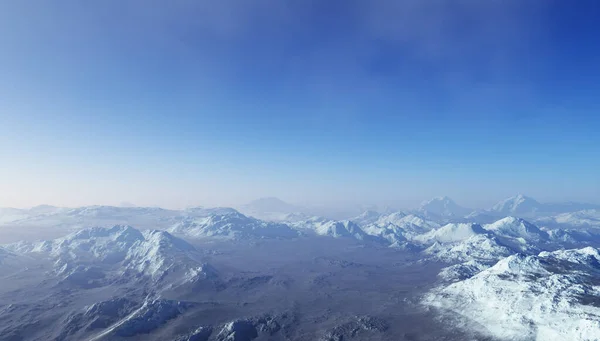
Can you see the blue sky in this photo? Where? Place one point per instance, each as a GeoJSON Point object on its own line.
{"type": "Point", "coordinates": [178, 103]}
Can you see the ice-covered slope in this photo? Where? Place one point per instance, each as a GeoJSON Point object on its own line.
{"type": "Point", "coordinates": [553, 296]}
{"type": "Point", "coordinates": [231, 225]}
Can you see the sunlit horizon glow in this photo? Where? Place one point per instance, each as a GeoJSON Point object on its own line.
{"type": "Point", "coordinates": [217, 103]}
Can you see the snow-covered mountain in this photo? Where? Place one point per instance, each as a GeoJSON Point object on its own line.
{"type": "Point", "coordinates": [367, 217]}
{"type": "Point", "coordinates": [231, 225]}
{"type": "Point", "coordinates": [519, 233]}
{"type": "Point", "coordinates": [274, 209]}
{"type": "Point", "coordinates": [399, 228]}
{"type": "Point", "coordinates": [442, 208]}
{"type": "Point", "coordinates": [519, 205]}
{"type": "Point", "coordinates": [453, 232]}
{"type": "Point", "coordinates": [93, 254]}
{"type": "Point", "coordinates": [481, 248]}
{"type": "Point", "coordinates": [553, 296]}
{"type": "Point", "coordinates": [335, 229]}
{"type": "Point", "coordinates": [580, 219]}
{"type": "Point", "coordinates": [524, 206]}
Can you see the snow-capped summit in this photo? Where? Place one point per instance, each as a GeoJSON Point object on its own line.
{"type": "Point", "coordinates": [442, 207]}
{"type": "Point", "coordinates": [552, 296]}
{"type": "Point", "coordinates": [519, 205]}
{"type": "Point", "coordinates": [454, 232]}
{"type": "Point", "coordinates": [518, 228]}
{"type": "Point", "coordinates": [367, 217]}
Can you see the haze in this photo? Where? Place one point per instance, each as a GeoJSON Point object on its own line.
{"type": "Point", "coordinates": [186, 103]}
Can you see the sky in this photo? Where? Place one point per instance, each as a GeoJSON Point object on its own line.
{"type": "Point", "coordinates": [330, 102]}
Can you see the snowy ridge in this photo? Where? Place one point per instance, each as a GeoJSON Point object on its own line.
{"type": "Point", "coordinates": [585, 218]}
{"type": "Point", "coordinates": [335, 229]}
{"type": "Point", "coordinates": [151, 253]}
{"type": "Point", "coordinates": [481, 248]}
{"type": "Point", "coordinates": [549, 297]}
{"type": "Point", "coordinates": [518, 228]}
{"type": "Point", "coordinates": [454, 232]}
{"type": "Point", "coordinates": [520, 234]}
{"type": "Point", "coordinates": [231, 225]}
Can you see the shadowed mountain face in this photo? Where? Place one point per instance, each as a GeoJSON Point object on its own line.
{"type": "Point", "coordinates": [217, 274]}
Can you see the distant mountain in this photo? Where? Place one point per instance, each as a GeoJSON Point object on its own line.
{"type": "Point", "coordinates": [518, 205]}
{"type": "Point", "coordinates": [8, 215]}
{"type": "Point", "coordinates": [271, 204]}
{"type": "Point", "coordinates": [586, 218]}
{"type": "Point", "coordinates": [273, 209]}
{"type": "Point", "coordinates": [442, 207]}
{"type": "Point", "coordinates": [524, 206]}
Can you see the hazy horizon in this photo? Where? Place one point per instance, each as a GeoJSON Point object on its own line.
{"type": "Point", "coordinates": [317, 205]}
{"type": "Point", "coordinates": [329, 103]}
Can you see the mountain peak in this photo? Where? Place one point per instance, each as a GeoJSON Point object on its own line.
{"type": "Point", "coordinates": [444, 199]}
{"type": "Point", "coordinates": [516, 205]}
{"type": "Point", "coordinates": [442, 206]}
{"type": "Point", "coordinates": [270, 204]}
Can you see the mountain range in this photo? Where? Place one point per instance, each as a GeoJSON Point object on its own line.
{"type": "Point", "coordinates": [507, 276]}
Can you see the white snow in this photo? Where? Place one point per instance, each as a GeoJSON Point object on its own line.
{"type": "Point", "coordinates": [554, 296]}
{"type": "Point", "coordinates": [152, 253]}
{"type": "Point", "coordinates": [231, 225]}
{"type": "Point", "coordinates": [453, 232]}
